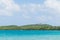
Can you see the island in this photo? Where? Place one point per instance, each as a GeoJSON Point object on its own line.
{"type": "Point", "coordinates": [30, 27]}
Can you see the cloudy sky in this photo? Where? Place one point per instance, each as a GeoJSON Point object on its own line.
{"type": "Point", "coordinates": [22, 12]}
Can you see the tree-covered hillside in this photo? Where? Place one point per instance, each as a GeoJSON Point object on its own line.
{"type": "Point", "coordinates": [30, 27]}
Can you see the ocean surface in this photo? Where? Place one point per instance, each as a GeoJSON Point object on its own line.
{"type": "Point", "coordinates": [29, 35]}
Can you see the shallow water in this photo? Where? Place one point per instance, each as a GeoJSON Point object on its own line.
{"type": "Point", "coordinates": [29, 35]}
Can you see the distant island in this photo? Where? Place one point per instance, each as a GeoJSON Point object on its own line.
{"type": "Point", "coordinates": [30, 27]}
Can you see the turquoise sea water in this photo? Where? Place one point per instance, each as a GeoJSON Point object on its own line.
{"type": "Point", "coordinates": [29, 35]}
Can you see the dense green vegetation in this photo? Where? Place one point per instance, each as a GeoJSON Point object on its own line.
{"type": "Point", "coordinates": [30, 27]}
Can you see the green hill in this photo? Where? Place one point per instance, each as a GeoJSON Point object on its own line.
{"type": "Point", "coordinates": [30, 27]}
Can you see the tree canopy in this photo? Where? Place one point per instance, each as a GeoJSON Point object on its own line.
{"type": "Point", "coordinates": [30, 27]}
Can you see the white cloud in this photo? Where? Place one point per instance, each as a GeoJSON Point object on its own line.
{"type": "Point", "coordinates": [26, 16]}
{"type": "Point", "coordinates": [5, 13]}
{"type": "Point", "coordinates": [7, 7]}
{"type": "Point", "coordinates": [53, 4]}
{"type": "Point", "coordinates": [44, 18]}
{"type": "Point", "coordinates": [32, 8]}
{"type": "Point", "coordinates": [48, 4]}
{"type": "Point", "coordinates": [49, 7]}
{"type": "Point", "coordinates": [41, 18]}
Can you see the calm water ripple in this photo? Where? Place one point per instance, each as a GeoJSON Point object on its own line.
{"type": "Point", "coordinates": [29, 35]}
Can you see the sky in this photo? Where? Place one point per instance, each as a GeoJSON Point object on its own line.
{"type": "Point", "coordinates": [24, 12]}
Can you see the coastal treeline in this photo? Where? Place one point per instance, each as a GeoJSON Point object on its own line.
{"type": "Point", "coordinates": [30, 27]}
